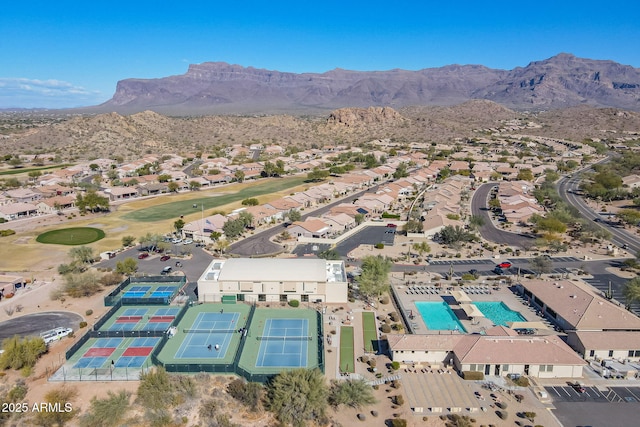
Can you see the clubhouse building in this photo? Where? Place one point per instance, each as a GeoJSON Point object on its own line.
{"type": "Point", "coordinates": [273, 280]}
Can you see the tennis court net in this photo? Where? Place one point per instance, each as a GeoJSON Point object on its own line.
{"type": "Point", "coordinates": [279, 338]}
{"type": "Point", "coordinates": [209, 331]}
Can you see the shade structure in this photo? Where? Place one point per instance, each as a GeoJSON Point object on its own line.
{"type": "Point", "coordinates": [460, 296]}
{"type": "Point", "coordinates": [471, 310]}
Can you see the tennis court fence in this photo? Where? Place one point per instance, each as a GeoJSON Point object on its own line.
{"type": "Point", "coordinates": [285, 338]}
{"type": "Point", "coordinates": [209, 331]}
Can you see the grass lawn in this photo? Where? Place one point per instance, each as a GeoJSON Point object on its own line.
{"type": "Point", "coordinates": [184, 207]}
{"type": "Point", "coordinates": [71, 236]}
{"type": "Point", "coordinates": [369, 332]}
{"type": "Point", "coordinates": [347, 361]}
{"type": "Point", "coordinates": [18, 171]}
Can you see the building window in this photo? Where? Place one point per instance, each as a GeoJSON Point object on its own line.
{"type": "Point", "coordinates": [505, 368]}
{"type": "Point", "coordinates": [262, 297]}
{"type": "Point", "coordinates": [592, 353]}
{"type": "Point", "coordinates": [610, 353]}
{"type": "Point", "coordinates": [283, 298]}
{"type": "Point", "coordinates": [240, 297]}
{"type": "Point", "coordinates": [304, 298]}
{"type": "Point", "coordinates": [634, 353]}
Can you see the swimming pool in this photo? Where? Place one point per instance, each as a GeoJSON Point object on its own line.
{"type": "Point", "coordinates": [439, 316]}
{"type": "Point", "coordinates": [498, 312]}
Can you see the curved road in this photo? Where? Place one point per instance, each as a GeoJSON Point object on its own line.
{"type": "Point", "coordinates": [566, 190]}
{"type": "Point", "coordinates": [259, 244]}
{"type": "Point", "coordinates": [488, 231]}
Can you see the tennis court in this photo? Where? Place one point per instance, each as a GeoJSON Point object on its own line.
{"type": "Point", "coordinates": [115, 352]}
{"type": "Point", "coordinates": [136, 292]}
{"type": "Point", "coordinates": [150, 318]}
{"type": "Point", "coordinates": [164, 291]}
{"type": "Point", "coordinates": [284, 343]}
{"type": "Point", "coordinates": [209, 336]}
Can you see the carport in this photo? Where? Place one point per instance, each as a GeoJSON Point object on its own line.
{"type": "Point", "coordinates": [471, 311]}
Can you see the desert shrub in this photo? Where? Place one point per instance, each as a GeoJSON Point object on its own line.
{"type": "Point", "coordinates": [18, 392]}
{"type": "Point", "coordinates": [78, 285]}
{"type": "Point", "coordinates": [353, 393]}
{"type": "Point", "coordinates": [4, 233]}
{"type": "Point", "coordinates": [394, 316]}
{"type": "Point", "coordinates": [522, 381]}
{"type": "Point", "coordinates": [107, 412]}
{"type": "Point", "coordinates": [83, 324]}
{"type": "Point", "coordinates": [111, 279]}
{"type": "Point", "coordinates": [468, 276]}
{"type": "Point", "coordinates": [250, 394]}
{"type": "Point", "coordinates": [385, 328]}
{"type": "Point", "coordinates": [395, 365]}
{"type": "Point", "coordinates": [399, 400]}
{"type": "Point", "coordinates": [21, 352]}
{"type": "Point", "coordinates": [294, 303]}
{"type": "Point", "coordinates": [379, 246]}
{"type": "Point", "coordinates": [472, 375]}
{"type": "Point", "coordinates": [88, 312]}
{"type": "Point", "coordinates": [61, 398]}
{"type": "Point", "coordinates": [398, 422]}
{"type": "Point", "coordinates": [384, 300]}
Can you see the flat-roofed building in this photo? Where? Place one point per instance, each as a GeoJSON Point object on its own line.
{"type": "Point", "coordinates": [269, 279]}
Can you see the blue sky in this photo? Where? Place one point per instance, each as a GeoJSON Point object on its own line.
{"type": "Point", "coordinates": [72, 53]}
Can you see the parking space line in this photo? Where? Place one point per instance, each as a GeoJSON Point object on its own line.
{"type": "Point", "coordinates": [632, 393]}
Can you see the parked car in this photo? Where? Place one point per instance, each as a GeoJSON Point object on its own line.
{"type": "Point", "coordinates": [55, 334]}
{"type": "Point", "coordinates": [187, 242]}
{"type": "Point", "coordinates": [505, 264]}
{"type": "Point", "coordinates": [165, 258]}
{"type": "Point", "coordinates": [473, 271]}
{"type": "Point", "coordinates": [143, 255]}
{"type": "Point", "coordinates": [176, 241]}
{"type": "Point", "coordinates": [578, 387]}
{"type": "Point", "coordinates": [498, 271]}
{"type": "Point", "coordinates": [168, 269]}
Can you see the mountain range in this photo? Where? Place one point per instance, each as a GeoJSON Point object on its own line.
{"type": "Point", "coordinates": [220, 88]}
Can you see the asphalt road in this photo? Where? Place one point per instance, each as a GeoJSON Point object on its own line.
{"type": "Point", "coordinates": [34, 324]}
{"type": "Point", "coordinates": [259, 244]}
{"type": "Point", "coordinates": [566, 189]}
{"type": "Point", "coordinates": [488, 231]}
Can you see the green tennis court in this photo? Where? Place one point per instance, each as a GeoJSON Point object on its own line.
{"type": "Point", "coordinates": [369, 332]}
{"type": "Point", "coordinates": [347, 363]}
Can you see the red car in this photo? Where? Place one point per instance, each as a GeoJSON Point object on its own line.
{"type": "Point", "coordinates": [505, 264]}
{"type": "Point", "coordinates": [143, 255]}
{"type": "Point", "coordinates": [165, 258]}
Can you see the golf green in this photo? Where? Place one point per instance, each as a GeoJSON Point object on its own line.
{"type": "Point", "coordinates": [71, 236]}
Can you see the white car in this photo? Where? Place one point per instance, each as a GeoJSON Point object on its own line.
{"type": "Point", "coordinates": [187, 242]}
{"type": "Point", "coordinates": [176, 240]}
{"type": "Point", "coordinates": [55, 334]}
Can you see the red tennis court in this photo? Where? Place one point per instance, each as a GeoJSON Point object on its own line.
{"type": "Point", "coordinates": [161, 319]}
{"type": "Point", "coordinates": [137, 351]}
{"type": "Point", "coordinates": [99, 352]}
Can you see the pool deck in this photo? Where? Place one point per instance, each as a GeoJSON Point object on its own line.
{"type": "Point", "coordinates": [499, 292]}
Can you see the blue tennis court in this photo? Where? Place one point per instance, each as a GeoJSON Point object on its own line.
{"type": "Point", "coordinates": [123, 326]}
{"type": "Point", "coordinates": [135, 312]}
{"type": "Point", "coordinates": [136, 292]}
{"type": "Point", "coordinates": [285, 343]}
{"type": "Point", "coordinates": [171, 311]}
{"type": "Point", "coordinates": [107, 342]}
{"type": "Point", "coordinates": [144, 342]}
{"type": "Point", "coordinates": [209, 336]}
{"type": "Point", "coordinates": [164, 291]}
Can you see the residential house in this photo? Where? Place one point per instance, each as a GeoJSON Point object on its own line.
{"type": "Point", "coordinates": [121, 193]}
{"type": "Point", "coordinates": [17, 210]}
{"type": "Point", "coordinates": [55, 204]}
{"type": "Point", "coordinates": [23, 195]}
{"type": "Point", "coordinates": [310, 228]}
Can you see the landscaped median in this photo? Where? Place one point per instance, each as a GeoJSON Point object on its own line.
{"type": "Point", "coordinates": [347, 361]}
{"type": "Point", "coordinates": [369, 332]}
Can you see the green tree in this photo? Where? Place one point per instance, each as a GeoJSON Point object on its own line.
{"type": "Point", "coordinates": [178, 225]}
{"type": "Point", "coordinates": [194, 185]}
{"type": "Point", "coordinates": [252, 201]}
{"type": "Point", "coordinates": [353, 393]}
{"type": "Point", "coordinates": [294, 215]}
{"type": "Point", "coordinates": [401, 171]}
{"type": "Point", "coordinates": [128, 266]}
{"type": "Point", "coordinates": [91, 201]}
{"type": "Point", "coordinates": [297, 396]}
{"type": "Point", "coordinates": [412, 226]}
{"type": "Point", "coordinates": [454, 235]}
{"type": "Point", "coordinates": [525, 175]}
{"type": "Point", "coordinates": [107, 412]}
{"type": "Point", "coordinates": [359, 218]}
{"type": "Point", "coordinates": [317, 175]}
{"type": "Point", "coordinates": [239, 175]}
{"type": "Point", "coordinates": [629, 216]}
{"type": "Point", "coordinates": [173, 187]}
{"type": "Point", "coordinates": [476, 221]}
{"type": "Point", "coordinates": [249, 393]}
{"type": "Point", "coordinates": [330, 254]}
{"type": "Point", "coordinates": [246, 218]}
{"type": "Point", "coordinates": [541, 265]}
{"type": "Point", "coordinates": [215, 235]}
{"type": "Point", "coordinates": [374, 279]}
{"type": "Point", "coordinates": [422, 248]}
{"type": "Point", "coordinates": [33, 175]}
{"type": "Point", "coordinates": [165, 177]}
{"type": "Point", "coordinates": [631, 291]}
{"type": "Point", "coordinates": [82, 254]}
{"type": "Point", "coordinates": [552, 225]}
{"type": "Point", "coordinates": [233, 228]}
{"type": "Point", "coordinates": [494, 204]}
{"type": "Point", "coordinates": [78, 285]}
{"type": "Point", "coordinates": [128, 240]}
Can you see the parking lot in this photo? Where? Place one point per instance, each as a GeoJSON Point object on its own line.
{"type": "Point", "coordinates": [595, 394]}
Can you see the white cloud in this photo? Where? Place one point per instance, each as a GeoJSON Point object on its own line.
{"type": "Point", "coordinates": [34, 93]}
